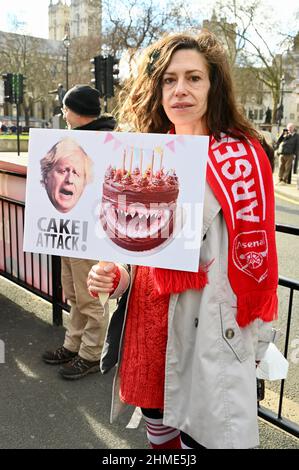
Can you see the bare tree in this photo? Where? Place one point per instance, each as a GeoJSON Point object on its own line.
{"type": "Point", "coordinates": [81, 51]}
{"type": "Point", "coordinates": [133, 24]}
{"type": "Point", "coordinates": [254, 51]}
{"type": "Point", "coordinates": [34, 58]}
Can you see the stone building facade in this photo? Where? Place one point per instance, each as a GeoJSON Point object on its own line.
{"type": "Point", "coordinates": [59, 19]}
{"type": "Point", "coordinates": [290, 67]}
{"type": "Point", "coordinates": [79, 18]}
{"type": "Point", "coordinates": [43, 61]}
{"type": "Point", "coordinates": [254, 97]}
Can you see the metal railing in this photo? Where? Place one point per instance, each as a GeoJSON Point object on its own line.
{"type": "Point", "coordinates": [277, 418]}
{"type": "Point", "coordinates": [40, 274]}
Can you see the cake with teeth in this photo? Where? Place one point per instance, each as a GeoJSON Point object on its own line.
{"type": "Point", "coordinates": [138, 210]}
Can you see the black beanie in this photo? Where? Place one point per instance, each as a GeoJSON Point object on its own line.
{"type": "Point", "coordinates": [83, 100]}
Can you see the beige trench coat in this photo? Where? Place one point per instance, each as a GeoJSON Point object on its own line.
{"type": "Point", "coordinates": [210, 374]}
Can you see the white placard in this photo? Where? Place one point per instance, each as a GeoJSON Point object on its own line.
{"type": "Point", "coordinates": [64, 216]}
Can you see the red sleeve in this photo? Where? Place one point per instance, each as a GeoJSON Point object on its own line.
{"type": "Point", "coordinates": [93, 294]}
{"type": "Point", "coordinates": [116, 279]}
{"type": "Point", "coordinates": [115, 283]}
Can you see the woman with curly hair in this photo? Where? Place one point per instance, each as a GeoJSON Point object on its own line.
{"type": "Point", "coordinates": [190, 341]}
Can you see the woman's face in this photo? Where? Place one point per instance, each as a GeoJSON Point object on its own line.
{"type": "Point", "coordinates": [185, 88]}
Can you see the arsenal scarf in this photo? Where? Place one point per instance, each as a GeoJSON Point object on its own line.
{"type": "Point", "coordinates": [240, 176]}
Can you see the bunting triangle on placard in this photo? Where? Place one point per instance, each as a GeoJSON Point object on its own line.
{"type": "Point", "coordinates": [170, 145]}
{"type": "Point", "coordinates": [108, 137]}
{"type": "Point", "coordinates": [117, 144]}
{"type": "Point", "coordinates": [181, 139]}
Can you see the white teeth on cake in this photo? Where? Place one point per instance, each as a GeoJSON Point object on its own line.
{"type": "Point", "coordinates": [142, 225]}
{"type": "Point", "coordinates": [142, 213]}
{"type": "Point", "coordinates": [132, 211]}
{"type": "Point", "coordinates": [121, 213]}
{"type": "Point", "coordinates": [142, 210]}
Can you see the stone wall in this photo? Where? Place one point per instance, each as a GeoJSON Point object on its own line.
{"type": "Point", "coordinates": [11, 145]}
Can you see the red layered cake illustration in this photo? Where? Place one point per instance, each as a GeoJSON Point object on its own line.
{"type": "Point", "coordinates": [138, 209]}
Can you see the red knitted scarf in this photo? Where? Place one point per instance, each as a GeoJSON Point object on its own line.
{"type": "Point", "coordinates": [240, 176]}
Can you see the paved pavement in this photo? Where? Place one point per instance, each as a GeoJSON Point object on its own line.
{"type": "Point", "coordinates": [289, 192]}
{"type": "Point", "coordinates": [38, 409]}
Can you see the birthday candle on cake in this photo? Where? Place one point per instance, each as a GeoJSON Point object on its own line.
{"type": "Point", "coordinates": [152, 165]}
{"type": "Point", "coordinates": [141, 158]}
{"type": "Point", "coordinates": [161, 158]}
{"type": "Point", "coordinates": [160, 151]}
{"type": "Point", "coordinates": [124, 161]}
{"type": "Point", "coordinates": [131, 160]}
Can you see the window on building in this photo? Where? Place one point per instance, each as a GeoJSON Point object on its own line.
{"type": "Point", "coordinates": [261, 114]}
{"type": "Point", "coordinates": [255, 114]}
{"type": "Point", "coordinates": [259, 99]}
{"type": "Point", "coordinates": [78, 24]}
{"type": "Point", "coordinates": [292, 116]}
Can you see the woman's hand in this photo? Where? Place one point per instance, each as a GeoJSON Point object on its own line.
{"type": "Point", "coordinates": [100, 278]}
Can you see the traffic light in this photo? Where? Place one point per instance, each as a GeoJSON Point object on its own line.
{"type": "Point", "coordinates": [105, 74]}
{"type": "Point", "coordinates": [18, 87]}
{"type": "Point", "coordinates": [8, 91]}
{"type": "Point", "coordinates": [111, 74]}
{"type": "Point", "coordinates": [14, 87]}
{"type": "Point", "coordinates": [22, 87]}
{"type": "Point", "coordinates": [99, 71]}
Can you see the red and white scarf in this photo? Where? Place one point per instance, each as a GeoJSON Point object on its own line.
{"type": "Point", "coordinates": [240, 176]}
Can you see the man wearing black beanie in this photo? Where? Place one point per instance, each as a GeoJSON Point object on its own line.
{"type": "Point", "coordinates": [86, 330]}
{"type": "Point", "coordinates": [82, 109]}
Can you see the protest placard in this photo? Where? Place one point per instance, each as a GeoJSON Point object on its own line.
{"type": "Point", "coordinates": [125, 197]}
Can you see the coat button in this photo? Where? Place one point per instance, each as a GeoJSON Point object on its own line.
{"type": "Point", "coordinates": [196, 322]}
{"type": "Point", "coordinates": [229, 333]}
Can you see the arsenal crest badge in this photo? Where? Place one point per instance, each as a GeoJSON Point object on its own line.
{"type": "Point", "coordinates": [250, 254]}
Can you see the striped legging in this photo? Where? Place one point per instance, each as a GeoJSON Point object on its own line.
{"type": "Point", "coordinates": [165, 437]}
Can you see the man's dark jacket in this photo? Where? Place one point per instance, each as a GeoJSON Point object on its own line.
{"type": "Point", "coordinates": [290, 145]}
{"type": "Point", "coordinates": [109, 356]}
{"type": "Point", "coordinates": [103, 123]}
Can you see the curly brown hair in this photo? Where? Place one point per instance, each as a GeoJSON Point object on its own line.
{"type": "Point", "coordinates": [142, 108]}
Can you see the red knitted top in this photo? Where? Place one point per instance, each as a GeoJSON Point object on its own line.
{"type": "Point", "coordinates": [144, 348]}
